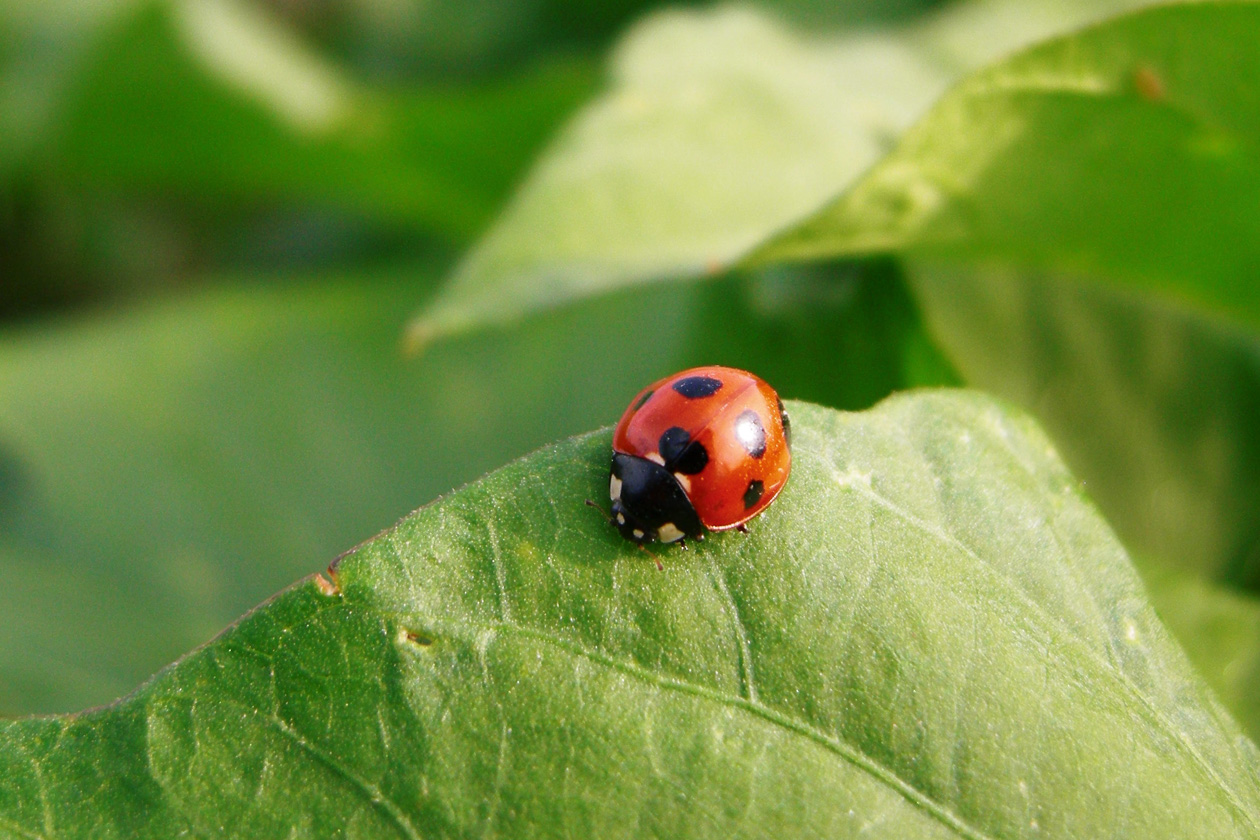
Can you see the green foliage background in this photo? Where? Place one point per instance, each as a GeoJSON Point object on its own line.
{"type": "Point", "coordinates": [223, 222]}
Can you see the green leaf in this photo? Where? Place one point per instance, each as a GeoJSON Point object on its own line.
{"type": "Point", "coordinates": [165, 468]}
{"type": "Point", "coordinates": [41, 45]}
{"type": "Point", "coordinates": [213, 101]}
{"type": "Point", "coordinates": [1220, 631]}
{"type": "Point", "coordinates": [839, 334]}
{"type": "Point", "coordinates": [1156, 408]}
{"type": "Point", "coordinates": [930, 634]}
{"type": "Point", "coordinates": [721, 128]}
{"type": "Point", "coordinates": [1126, 152]}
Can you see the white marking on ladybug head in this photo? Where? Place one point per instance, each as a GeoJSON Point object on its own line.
{"type": "Point", "coordinates": [683, 481]}
{"type": "Point", "coordinates": [614, 488]}
{"type": "Point", "coordinates": [669, 533]}
{"type": "Point", "coordinates": [638, 535]}
{"type": "Point", "coordinates": [621, 519]}
{"type": "Point", "coordinates": [655, 457]}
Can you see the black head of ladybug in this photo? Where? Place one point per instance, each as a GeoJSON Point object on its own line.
{"type": "Point", "coordinates": [648, 503]}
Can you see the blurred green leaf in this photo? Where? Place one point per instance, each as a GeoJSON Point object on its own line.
{"type": "Point", "coordinates": [1126, 152]}
{"type": "Point", "coordinates": [721, 129]}
{"type": "Point", "coordinates": [41, 45]}
{"type": "Point", "coordinates": [842, 334]}
{"type": "Point", "coordinates": [212, 101]}
{"type": "Point", "coordinates": [162, 470]}
{"type": "Point", "coordinates": [1157, 409]}
{"type": "Point", "coordinates": [502, 663]}
{"type": "Point", "coordinates": [1220, 631]}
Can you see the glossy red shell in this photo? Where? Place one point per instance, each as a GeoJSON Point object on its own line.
{"type": "Point", "coordinates": [718, 491]}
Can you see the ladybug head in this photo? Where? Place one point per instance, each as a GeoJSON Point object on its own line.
{"type": "Point", "coordinates": [648, 503]}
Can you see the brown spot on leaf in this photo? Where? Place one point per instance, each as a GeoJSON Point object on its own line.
{"type": "Point", "coordinates": [1149, 84]}
{"type": "Point", "coordinates": [419, 638]}
{"type": "Point", "coordinates": [326, 586]}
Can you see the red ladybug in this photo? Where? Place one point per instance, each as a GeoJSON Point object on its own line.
{"type": "Point", "coordinates": [707, 448]}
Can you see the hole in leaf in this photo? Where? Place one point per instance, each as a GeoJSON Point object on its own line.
{"type": "Point", "coordinates": [419, 637]}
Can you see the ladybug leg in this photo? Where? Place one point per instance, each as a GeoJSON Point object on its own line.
{"type": "Point", "coordinates": [742, 528]}
{"type": "Point", "coordinates": [682, 543]}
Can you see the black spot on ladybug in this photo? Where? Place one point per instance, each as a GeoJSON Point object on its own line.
{"type": "Point", "coordinates": [681, 453]}
{"type": "Point", "coordinates": [643, 400]}
{"type": "Point", "coordinates": [787, 424]}
{"type": "Point", "coordinates": [750, 432]}
{"type": "Point", "coordinates": [753, 494]}
{"type": "Point", "coordinates": [672, 443]}
{"type": "Point", "coordinates": [695, 387]}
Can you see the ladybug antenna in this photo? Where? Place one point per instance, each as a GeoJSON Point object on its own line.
{"type": "Point", "coordinates": [607, 515]}
{"type": "Point", "coordinates": [644, 549]}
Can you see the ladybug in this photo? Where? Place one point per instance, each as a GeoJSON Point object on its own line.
{"type": "Point", "coordinates": [704, 449]}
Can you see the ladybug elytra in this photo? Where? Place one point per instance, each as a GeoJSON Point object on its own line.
{"type": "Point", "coordinates": [704, 449]}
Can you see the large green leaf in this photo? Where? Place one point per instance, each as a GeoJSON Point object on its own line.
{"type": "Point", "coordinates": [721, 128]}
{"type": "Point", "coordinates": [163, 469]}
{"type": "Point", "coordinates": [1105, 135]}
{"type": "Point", "coordinates": [930, 634]}
{"type": "Point", "coordinates": [1158, 412]}
{"type": "Point", "coordinates": [1127, 152]}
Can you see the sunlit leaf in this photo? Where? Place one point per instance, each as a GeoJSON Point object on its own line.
{"type": "Point", "coordinates": [1126, 152]}
{"type": "Point", "coordinates": [930, 634]}
{"type": "Point", "coordinates": [721, 128]}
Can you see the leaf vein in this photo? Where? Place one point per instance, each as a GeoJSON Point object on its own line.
{"type": "Point", "coordinates": [21, 831]}
{"type": "Point", "coordinates": [1120, 677]}
{"type": "Point", "coordinates": [741, 634]}
{"type": "Point", "coordinates": [936, 810]}
{"type": "Point", "coordinates": [366, 789]}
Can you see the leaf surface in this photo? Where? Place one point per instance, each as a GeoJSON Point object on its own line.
{"type": "Point", "coordinates": [1126, 152]}
{"type": "Point", "coordinates": [1156, 408]}
{"type": "Point", "coordinates": [930, 634]}
{"type": "Point", "coordinates": [721, 129]}
{"type": "Point", "coordinates": [165, 468]}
